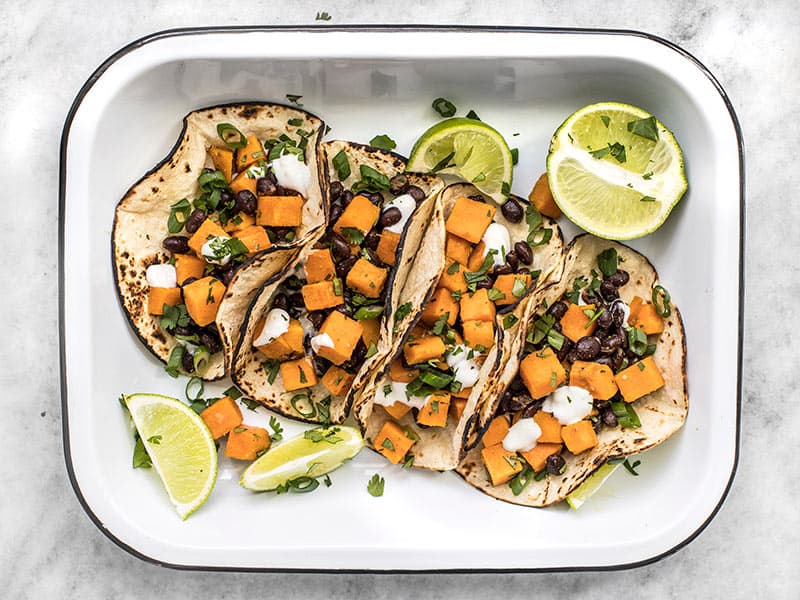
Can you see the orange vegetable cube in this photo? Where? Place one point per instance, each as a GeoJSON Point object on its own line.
{"type": "Point", "coordinates": [254, 237]}
{"type": "Point", "coordinates": [397, 372]}
{"type": "Point", "coordinates": [223, 161]}
{"type": "Point", "coordinates": [478, 333]}
{"type": "Point", "coordinates": [644, 316]}
{"type": "Point", "coordinates": [536, 457]}
{"type": "Point", "coordinates": [434, 412]}
{"type": "Point", "coordinates": [280, 211]}
{"type": "Point", "coordinates": [285, 345]}
{"type": "Point", "coordinates": [639, 379]}
{"type": "Point", "coordinates": [366, 278]}
{"type": "Point", "coordinates": [238, 222]}
{"type": "Point", "coordinates": [202, 299]}
{"type": "Point", "coordinates": [345, 333]}
{"type": "Point", "coordinates": [319, 266]}
{"type": "Point", "coordinates": [542, 198]}
{"type": "Point", "coordinates": [542, 373]}
{"type": "Point", "coordinates": [360, 214]}
{"type": "Point", "coordinates": [452, 277]}
{"type": "Point", "coordinates": [392, 442]}
{"type": "Point", "coordinates": [187, 266]}
{"type": "Point", "coordinates": [387, 247]}
{"type": "Point", "coordinates": [298, 374]}
{"type": "Point", "coordinates": [476, 258]}
{"type": "Point", "coordinates": [579, 436]}
{"type": "Point", "coordinates": [243, 181]}
{"type": "Point", "coordinates": [469, 219]}
{"type": "Point", "coordinates": [550, 426]}
{"type": "Point", "coordinates": [575, 322]}
{"type": "Point", "coordinates": [222, 416]}
{"type": "Point", "coordinates": [397, 410]}
{"type": "Point", "coordinates": [501, 464]}
{"type": "Point", "coordinates": [457, 249]}
{"type": "Point", "coordinates": [206, 230]}
{"type": "Point", "coordinates": [595, 378]}
{"type": "Point", "coordinates": [321, 295]}
{"type": "Point", "coordinates": [506, 284]}
{"type": "Point", "coordinates": [440, 303]}
{"type": "Point", "coordinates": [337, 381]}
{"type": "Point", "coordinates": [477, 307]}
{"type": "Point", "coordinates": [157, 297]}
{"type": "Point", "coordinates": [423, 349]}
{"type": "Point", "coordinates": [496, 432]}
{"type": "Point", "coordinates": [246, 442]}
{"type": "Point", "coordinates": [250, 154]}
{"type": "Point", "coordinates": [458, 405]}
{"type": "Point", "coordinates": [371, 331]}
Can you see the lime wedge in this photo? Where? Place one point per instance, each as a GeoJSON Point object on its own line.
{"type": "Point", "coordinates": [615, 170]}
{"type": "Point", "coordinates": [469, 149]}
{"type": "Point", "coordinates": [303, 456]}
{"type": "Point", "coordinates": [180, 447]}
{"type": "Point", "coordinates": [584, 491]}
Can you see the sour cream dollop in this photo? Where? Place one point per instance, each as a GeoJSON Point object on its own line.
{"type": "Point", "coordinates": [161, 276]}
{"type": "Point", "coordinates": [394, 391]}
{"type": "Point", "coordinates": [275, 325]}
{"type": "Point", "coordinates": [497, 238]}
{"type": "Point", "coordinates": [569, 404]}
{"type": "Point", "coordinates": [522, 435]}
{"type": "Point", "coordinates": [406, 205]}
{"type": "Point", "coordinates": [292, 173]}
{"type": "Point", "coordinates": [465, 369]}
{"type": "Point", "coordinates": [323, 340]}
{"type": "Point", "coordinates": [216, 251]}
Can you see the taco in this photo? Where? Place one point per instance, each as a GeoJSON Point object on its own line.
{"type": "Point", "coordinates": [312, 336]}
{"type": "Point", "coordinates": [599, 375]}
{"type": "Point", "coordinates": [419, 409]}
{"type": "Point", "coordinates": [233, 203]}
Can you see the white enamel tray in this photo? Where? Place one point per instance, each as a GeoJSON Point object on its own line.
{"type": "Point", "coordinates": [363, 82]}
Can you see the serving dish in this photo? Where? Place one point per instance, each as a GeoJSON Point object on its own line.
{"type": "Point", "coordinates": [364, 81]}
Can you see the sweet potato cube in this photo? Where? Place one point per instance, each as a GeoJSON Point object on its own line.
{"type": "Point", "coordinates": [360, 214]}
{"type": "Point", "coordinates": [542, 198]}
{"type": "Point", "coordinates": [238, 222]}
{"type": "Point", "coordinates": [579, 436]}
{"type": "Point", "coordinates": [393, 442]}
{"type": "Point", "coordinates": [157, 297]}
{"type": "Point", "coordinates": [223, 161]}
{"type": "Point", "coordinates": [536, 457]}
{"type": "Point", "coordinates": [337, 381]}
{"type": "Point", "coordinates": [397, 372]}
{"type": "Point", "coordinates": [457, 249]}
{"type": "Point", "coordinates": [298, 374]}
{"type": "Point", "coordinates": [501, 464]}
{"type": "Point", "coordinates": [202, 299]}
{"type": "Point", "coordinates": [575, 322]}
{"type": "Point", "coordinates": [452, 277]}
{"type": "Point", "coordinates": [476, 257]}
{"type": "Point", "coordinates": [222, 416]}
{"type": "Point", "coordinates": [423, 349]}
{"type": "Point", "coordinates": [463, 393]}
{"type": "Point", "coordinates": [595, 378]}
{"type": "Point", "coordinates": [550, 426]}
{"type": "Point", "coordinates": [458, 405]}
{"type": "Point", "coordinates": [497, 430]}
{"type": "Point", "coordinates": [507, 283]}
{"type": "Point", "coordinates": [250, 154]}
{"type": "Point", "coordinates": [542, 373]}
{"type": "Point", "coordinates": [478, 333]}
{"type": "Point", "coordinates": [345, 333]}
{"type": "Point", "coordinates": [387, 247]}
{"type": "Point", "coordinates": [254, 237]}
{"type": "Point", "coordinates": [243, 181]}
{"type": "Point", "coordinates": [187, 266]}
{"type": "Point", "coordinates": [366, 278]}
{"type": "Point", "coordinates": [285, 345]}
{"type": "Point", "coordinates": [434, 412]}
{"type": "Point", "coordinates": [206, 230]}
{"type": "Point", "coordinates": [469, 219]}
{"type": "Point", "coordinates": [639, 379]}
{"type": "Point", "coordinates": [246, 442]}
{"type": "Point", "coordinates": [319, 266]}
{"type": "Point", "coordinates": [371, 331]}
{"type": "Point", "coordinates": [280, 211]}
{"type": "Point", "coordinates": [644, 316]}
{"type": "Point", "coordinates": [477, 307]}
{"type": "Point", "coordinates": [397, 410]}
{"type": "Point", "coordinates": [321, 295]}
{"type": "Point", "coordinates": [440, 303]}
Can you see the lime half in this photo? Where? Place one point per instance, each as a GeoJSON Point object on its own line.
{"type": "Point", "coordinates": [180, 446]}
{"type": "Point", "coordinates": [585, 490]}
{"type": "Point", "coordinates": [303, 456]}
{"type": "Point", "coordinates": [615, 170]}
{"type": "Point", "coordinates": [469, 149]}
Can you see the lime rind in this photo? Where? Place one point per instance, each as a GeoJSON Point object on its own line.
{"type": "Point", "coordinates": [589, 487]}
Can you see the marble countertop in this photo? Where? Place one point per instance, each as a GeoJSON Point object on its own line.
{"type": "Point", "coordinates": [51, 549]}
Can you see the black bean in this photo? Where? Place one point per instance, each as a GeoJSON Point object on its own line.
{"type": "Point", "coordinates": [619, 278]}
{"type": "Point", "coordinates": [608, 291]}
{"type": "Point", "coordinates": [512, 211]}
{"type": "Point", "coordinates": [557, 310]}
{"type": "Point", "coordinates": [281, 233]}
{"type": "Point", "coordinates": [195, 220]}
{"type": "Point", "coordinates": [398, 184]}
{"type": "Point", "coordinates": [339, 246]}
{"type": "Point", "coordinates": [524, 271]}
{"type": "Point", "coordinates": [503, 270]}
{"type": "Point", "coordinates": [605, 360]}
{"type": "Point", "coordinates": [390, 216]}
{"type": "Point", "coordinates": [321, 365]}
{"type": "Point", "coordinates": [346, 197]}
{"type": "Point", "coordinates": [571, 356]}
{"type": "Point", "coordinates": [344, 309]}
{"type": "Point", "coordinates": [343, 267]}
{"type": "Point", "coordinates": [516, 385]}
{"type": "Point", "coordinates": [296, 300]}
{"type": "Point", "coordinates": [280, 301]}
{"type": "Point", "coordinates": [512, 260]}
{"type": "Point", "coordinates": [554, 464]}
{"type": "Point", "coordinates": [188, 280]}
{"type": "Point", "coordinates": [611, 343]}
{"type": "Point", "coordinates": [246, 202]}
{"type": "Point", "coordinates": [177, 244]}
{"type": "Point", "coordinates": [416, 193]}
{"type": "Point", "coordinates": [600, 334]}
{"type": "Point", "coordinates": [605, 320]}
{"type": "Point", "coordinates": [265, 187]}
{"type": "Point", "coordinates": [185, 331]}
{"type": "Point", "coordinates": [226, 199]}
{"type": "Point", "coordinates": [523, 251]}
{"type": "Point", "coordinates": [335, 190]}
{"type": "Point", "coordinates": [617, 359]}
{"type": "Point", "coordinates": [356, 358]}
{"type": "Point", "coordinates": [187, 362]}
{"type": "Point", "coordinates": [558, 327]}
{"type": "Point", "coordinates": [372, 256]}
{"type": "Point", "coordinates": [587, 348]}
{"type": "Point", "coordinates": [210, 341]}
{"type": "Point", "coordinates": [532, 408]}
{"type": "Point", "coordinates": [317, 318]}
{"type": "Point", "coordinates": [566, 347]}
{"type": "Point", "coordinates": [484, 283]}
{"type": "Point", "coordinates": [271, 176]}
{"type": "Point", "coordinates": [602, 405]}
{"type": "Point", "coordinates": [609, 418]}
{"type": "Point", "coordinates": [371, 240]}
{"type": "Point", "coordinates": [617, 315]}
{"type": "Point", "coordinates": [589, 297]}
{"type": "Point", "coordinates": [336, 212]}
{"type": "Point", "coordinates": [512, 402]}
{"type": "Point", "coordinates": [226, 275]}
{"type": "Point", "coordinates": [376, 198]}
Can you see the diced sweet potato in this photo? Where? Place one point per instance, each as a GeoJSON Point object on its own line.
{"type": "Point", "coordinates": [501, 464]}
{"type": "Point", "coordinates": [497, 430]}
{"type": "Point", "coordinates": [360, 214]}
{"type": "Point", "coordinates": [371, 331]}
{"type": "Point", "coordinates": [478, 333]}
{"type": "Point", "coordinates": [187, 266]}
{"type": "Point", "coordinates": [286, 345]}
{"type": "Point", "coordinates": [243, 181]}
{"type": "Point", "coordinates": [434, 412]}
{"type": "Point", "coordinates": [202, 298]}
{"type": "Point", "coordinates": [223, 161]}
{"type": "Point", "coordinates": [280, 211]}
{"type": "Point", "coordinates": [452, 277]}
{"type": "Point", "coordinates": [250, 154]}
{"type": "Point", "coordinates": [337, 381]}
{"type": "Point", "coordinates": [477, 307]}
{"type": "Point", "coordinates": [345, 333]}
{"type": "Point", "coordinates": [507, 283]}
{"type": "Point", "coordinates": [644, 316]}
{"type": "Point", "coordinates": [319, 266]}
{"type": "Point", "coordinates": [457, 405]}
{"type": "Point", "coordinates": [463, 393]}
{"type": "Point", "coordinates": [397, 410]}
{"type": "Point", "coordinates": [542, 198]}
{"type": "Point", "coordinates": [206, 230]}
{"type": "Point", "coordinates": [321, 295]}
{"type": "Point", "coordinates": [254, 237]}
{"type": "Point", "coordinates": [639, 379]}
{"type": "Point", "coordinates": [246, 442]}
{"type": "Point", "coordinates": [457, 249]}
{"type": "Point", "coordinates": [366, 279]}
{"type": "Point", "coordinates": [393, 442]}
{"type": "Point", "coordinates": [469, 219]}
{"type": "Point", "coordinates": [542, 373]}
{"type": "Point", "coordinates": [387, 247]}
{"type": "Point", "coordinates": [550, 426]}
{"type": "Point", "coordinates": [298, 374]}
{"type": "Point", "coordinates": [579, 436]}
{"type": "Point", "coordinates": [440, 303]}
{"type": "Point", "coordinates": [222, 416]}
{"type": "Point", "coordinates": [238, 222]}
{"type": "Point", "coordinates": [476, 257]}
{"type": "Point", "coordinates": [422, 349]}
{"type": "Point", "coordinates": [536, 457]}
{"type": "Point", "coordinates": [397, 372]}
{"type": "Point", "coordinates": [595, 378]}
{"type": "Point", "coordinates": [157, 297]}
{"type": "Point", "coordinates": [575, 322]}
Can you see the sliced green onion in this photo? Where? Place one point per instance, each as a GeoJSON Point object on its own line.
{"type": "Point", "coordinates": [201, 360]}
{"type": "Point", "coordinates": [368, 312]}
{"type": "Point", "coordinates": [231, 136]}
{"type": "Point", "coordinates": [295, 401]}
{"type": "Point", "coordinates": [663, 310]}
{"type": "Point", "coordinates": [194, 382]}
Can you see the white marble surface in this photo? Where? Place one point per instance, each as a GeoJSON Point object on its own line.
{"type": "Point", "coordinates": [51, 549]}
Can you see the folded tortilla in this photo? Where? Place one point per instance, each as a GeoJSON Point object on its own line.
{"type": "Point", "coordinates": [661, 413]}
{"type": "Point", "coordinates": [140, 223]}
